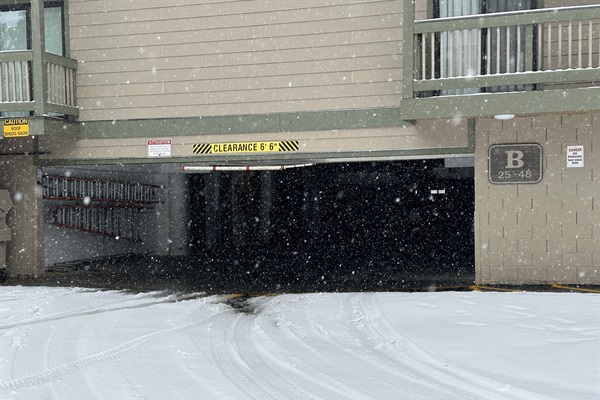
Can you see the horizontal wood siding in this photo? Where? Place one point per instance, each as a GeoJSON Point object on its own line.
{"type": "Point", "coordinates": [151, 59]}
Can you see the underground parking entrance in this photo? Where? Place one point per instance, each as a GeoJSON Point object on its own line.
{"type": "Point", "coordinates": [325, 227]}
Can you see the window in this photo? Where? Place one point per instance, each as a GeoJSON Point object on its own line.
{"type": "Point", "coordinates": [54, 28]}
{"type": "Point", "coordinates": [15, 35]}
{"type": "Point", "coordinates": [470, 62]}
{"type": "Point", "coordinates": [15, 28]}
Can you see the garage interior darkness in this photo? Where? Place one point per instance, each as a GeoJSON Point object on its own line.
{"type": "Point", "coordinates": [339, 226]}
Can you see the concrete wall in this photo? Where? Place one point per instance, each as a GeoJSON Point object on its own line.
{"type": "Point", "coordinates": [149, 59]}
{"type": "Point", "coordinates": [544, 232]}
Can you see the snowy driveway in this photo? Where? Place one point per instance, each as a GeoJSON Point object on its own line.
{"type": "Point", "coordinates": [64, 343]}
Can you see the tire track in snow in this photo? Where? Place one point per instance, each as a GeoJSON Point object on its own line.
{"type": "Point", "coordinates": [324, 385]}
{"type": "Point", "coordinates": [126, 349]}
{"type": "Point", "coordinates": [238, 359]}
{"type": "Point", "coordinates": [303, 384]}
{"type": "Point", "coordinates": [400, 351]}
{"type": "Point", "coordinates": [353, 355]}
{"type": "Point", "coordinates": [98, 310]}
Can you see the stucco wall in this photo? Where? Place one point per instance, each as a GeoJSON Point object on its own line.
{"type": "Point", "coordinates": [544, 232]}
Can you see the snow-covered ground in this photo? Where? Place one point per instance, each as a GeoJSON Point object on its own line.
{"type": "Point", "coordinates": [64, 343]}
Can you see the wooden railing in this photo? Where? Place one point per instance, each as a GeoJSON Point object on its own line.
{"type": "Point", "coordinates": [21, 81]}
{"type": "Point", "coordinates": [509, 51]}
{"type": "Point", "coordinates": [15, 79]}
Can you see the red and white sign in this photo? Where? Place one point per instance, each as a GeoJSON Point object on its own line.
{"type": "Point", "coordinates": [574, 156]}
{"type": "Point", "coordinates": [159, 147]}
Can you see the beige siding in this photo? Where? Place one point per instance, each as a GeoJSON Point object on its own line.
{"type": "Point", "coordinates": [544, 232]}
{"type": "Point", "coordinates": [197, 58]}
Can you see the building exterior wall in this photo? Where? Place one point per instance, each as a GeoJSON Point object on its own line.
{"type": "Point", "coordinates": [179, 59]}
{"type": "Point", "coordinates": [544, 232]}
{"type": "Point", "coordinates": [327, 73]}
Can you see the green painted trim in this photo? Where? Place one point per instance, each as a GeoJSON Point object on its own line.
{"type": "Point", "coordinates": [39, 74]}
{"type": "Point", "coordinates": [510, 18]}
{"type": "Point", "coordinates": [517, 78]}
{"type": "Point", "coordinates": [60, 60]}
{"type": "Point", "coordinates": [489, 104]}
{"type": "Point", "coordinates": [61, 128]}
{"type": "Point", "coordinates": [40, 126]}
{"type": "Point", "coordinates": [66, 30]}
{"type": "Point", "coordinates": [409, 57]}
{"type": "Point", "coordinates": [60, 109]}
{"type": "Point", "coordinates": [430, 5]}
{"type": "Point", "coordinates": [17, 106]}
{"type": "Point", "coordinates": [237, 124]}
{"type": "Point", "coordinates": [277, 159]}
{"type": "Point", "coordinates": [13, 2]}
{"type": "Point", "coordinates": [21, 55]}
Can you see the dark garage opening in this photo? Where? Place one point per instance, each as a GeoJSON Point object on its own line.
{"type": "Point", "coordinates": [354, 226]}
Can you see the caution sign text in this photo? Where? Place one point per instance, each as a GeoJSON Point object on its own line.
{"type": "Point", "coordinates": [246, 147]}
{"type": "Point", "coordinates": [16, 127]}
{"type": "Point", "coordinates": [159, 147]}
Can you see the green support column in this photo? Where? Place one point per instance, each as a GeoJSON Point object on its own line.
{"type": "Point", "coordinates": [40, 78]}
{"type": "Point", "coordinates": [408, 50]}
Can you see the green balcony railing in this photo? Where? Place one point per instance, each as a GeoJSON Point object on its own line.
{"type": "Point", "coordinates": [458, 64]}
{"type": "Point", "coordinates": [40, 88]}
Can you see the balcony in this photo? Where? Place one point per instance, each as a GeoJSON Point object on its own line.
{"type": "Point", "coordinates": [44, 87]}
{"type": "Point", "coordinates": [520, 62]}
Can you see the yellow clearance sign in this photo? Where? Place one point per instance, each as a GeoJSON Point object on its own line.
{"type": "Point", "coordinates": [246, 147]}
{"type": "Point", "coordinates": [16, 127]}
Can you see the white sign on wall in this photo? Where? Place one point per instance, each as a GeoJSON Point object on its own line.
{"type": "Point", "coordinates": [159, 147]}
{"type": "Point", "coordinates": [574, 156]}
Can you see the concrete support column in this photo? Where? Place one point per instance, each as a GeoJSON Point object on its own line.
{"type": "Point", "coordinates": [213, 199]}
{"type": "Point", "coordinates": [25, 251]}
{"type": "Point", "coordinates": [266, 203]}
{"type": "Point", "coordinates": [311, 201]}
{"type": "Point", "coordinates": [178, 215]}
{"type": "Point", "coordinates": [238, 229]}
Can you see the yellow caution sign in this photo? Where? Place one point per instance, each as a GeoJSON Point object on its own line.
{"type": "Point", "coordinates": [246, 147]}
{"type": "Point", "coordinates": [16, 127]}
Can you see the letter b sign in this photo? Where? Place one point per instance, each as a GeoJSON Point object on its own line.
{"type": "Point", "coordinates": [515, 163]}
{"type": "Point", "coordinates": [514, 159]}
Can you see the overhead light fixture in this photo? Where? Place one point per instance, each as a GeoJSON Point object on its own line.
{"type": "Point", "coordinates": [504, 117]}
